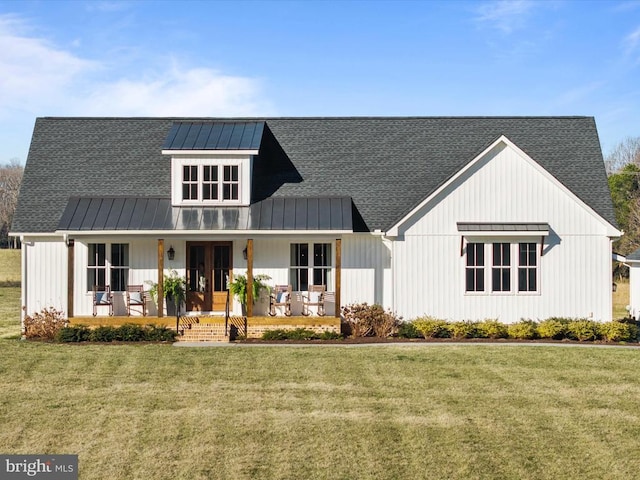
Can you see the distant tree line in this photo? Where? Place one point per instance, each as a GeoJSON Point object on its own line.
{"type": "Point", "coordinates": [10, 180]}
{"type": "Point", "coordinates": [623, 169]}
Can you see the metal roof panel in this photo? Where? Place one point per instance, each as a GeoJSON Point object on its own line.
{"type": "Point", "coordinates": [157, 214]}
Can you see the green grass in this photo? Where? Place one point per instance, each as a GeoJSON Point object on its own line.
{"type": "Point", "coordinates": [621, 299]}
{"type": "Point", "coordinates": [159, 412]}
{"type": "Point", "coordinates": [10, 267]}
{"type": "Point", "coordinates": [9, 293]}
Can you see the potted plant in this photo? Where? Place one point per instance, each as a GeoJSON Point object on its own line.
{"type": "Point", "coordinates": [174, 288]}
{"type": "Point", "coordinates": [238, 287]}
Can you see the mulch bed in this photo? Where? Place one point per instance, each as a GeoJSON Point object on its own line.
{"type": "Point", "coordinates": [391, 340]}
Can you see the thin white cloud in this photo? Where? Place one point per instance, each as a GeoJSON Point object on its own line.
{"type": "Point", "coordinates": [105, 6]}
{"type": "Point", "coordinates": [632, 41]}
{"type": "Point", "coordinates": [578, 94]}
{"type": "Point", "coordinates": [627, 6]}
{"type": "Point", "coordinates": [177, 92]}
{"type": "Point", "coordinates": [39, 78]}
{"type": "Point", "coordinates": [33, 71]}
{"type": "Point", "coordinates": [504, 15]}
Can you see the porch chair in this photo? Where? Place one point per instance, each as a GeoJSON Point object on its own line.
{"type": "Point", "coordinates": [136, 297]}
{"type": "Point", "coordinates": [313, 298]}
{"type": "Point", "coordinates": [102, 297]}
{"type": "Point", "coordinates": [280, 297]}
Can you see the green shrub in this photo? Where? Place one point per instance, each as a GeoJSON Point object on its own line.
{"type": "Point", "coordinates": [73, 333]}
{"type": "Point", "coordinates": [408, 330]}
{"type": "Point", "coordinates": [463, 329]}
{"type": "Point", "coordinates": [301, 334]}
{"type": "Point", "coordinates": [554, 328]}
{"type": "Point", "coordinates": [277, 334]}
{"type": "Point", "coordinates": [125, 333]}
{"type": "Point", "coordinates": [103, 334]}
{"type": "Point", "coordinates": [523, 330]}
{"type": "Point", "coordinates": [130, 332]}
{"type": "Point", "coordinates": [583, 330]}
{"type": "Point", "coordinates": [491, 328]}
{"type": "Point", "coordinates": [364, 320]}
{"type": "Point", "coordinates": [160, 333]}
{"type": "Point", "coordinates": [329, 335]}
{"type": "Point", "coordinates": [44, 324]}
{"type": "Point", "coordinates": [619, 332]}
{"type": "Point", "coordinates": [431, 327]}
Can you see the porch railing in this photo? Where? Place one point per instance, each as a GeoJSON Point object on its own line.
{"type": "Point", "coordinates": [226, 316]}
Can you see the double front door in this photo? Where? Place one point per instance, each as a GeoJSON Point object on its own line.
{"type": "Point", "coordinates": [209, 266]}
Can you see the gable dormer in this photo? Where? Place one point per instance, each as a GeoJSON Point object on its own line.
{"type": "Point", "coordinates": [212, 162]}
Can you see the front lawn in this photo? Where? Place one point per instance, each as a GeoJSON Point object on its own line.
{"type": "Point", "coordinates": [438, 411]}
{"type": "Point", "coordinates": [621, 299]}
{"type": "Point", "coordinates": [9, 293]}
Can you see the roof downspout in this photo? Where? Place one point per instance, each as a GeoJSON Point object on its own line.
{"type": "Point", "coordinates": [390, 244]}
{"type": "Point", "coordinates": [23, 285]}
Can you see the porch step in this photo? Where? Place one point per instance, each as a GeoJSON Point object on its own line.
{"type": "Point", "coordinates": [204, 332]}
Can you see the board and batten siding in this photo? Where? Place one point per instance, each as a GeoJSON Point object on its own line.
{"type": "Point", "coordinates": [575, 270]}
{"type": "Point", "coordinates": [366, 270]}
{"type": "Point", "coordinates": [44, 277]}
{"type": "Point", "coordinates": [634, 289]}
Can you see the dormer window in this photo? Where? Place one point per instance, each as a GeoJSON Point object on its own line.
{"type": "Point", "coordinates": [211, 183]}
{"type": "Point", "coordinates": [211, 163]}
{"type": "Point", "coordinates": [230, 182]}
{"type": "Point", "coordinates": [190, 182]}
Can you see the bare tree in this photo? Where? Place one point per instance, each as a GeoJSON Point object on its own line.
{"type": "Point", "coordinates": [626, 152]}
{"type": "Point", "coordinates": [10, 180]}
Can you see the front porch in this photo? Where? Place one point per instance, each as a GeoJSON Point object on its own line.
{"type": "Point", "coordinates": [206, 267]}
{"type": "Point", "coordinates": [211, 328]}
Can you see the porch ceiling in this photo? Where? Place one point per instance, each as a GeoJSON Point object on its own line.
{"type": "Point", "coordinates": [90, 214]}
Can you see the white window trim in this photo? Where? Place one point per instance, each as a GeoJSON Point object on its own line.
{"type": "Point", "coordinates": [244, 179]}
{"type": "Point", "coordinates": [332, 267]}
{"type": "Point", "coordinates": [514, 243]}
{"type": "Point", "coordinates": [107, 267]}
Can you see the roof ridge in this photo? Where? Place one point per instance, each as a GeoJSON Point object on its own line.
{"type": "Point", "coordinates": [351, 117]}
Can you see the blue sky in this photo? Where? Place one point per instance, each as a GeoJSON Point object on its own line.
{"type": "Point", "coordinates": [346, 58]}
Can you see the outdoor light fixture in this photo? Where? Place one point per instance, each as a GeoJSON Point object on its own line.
{"type": "Point", "coordinates": [245, 255]}
{"type": "Point", "coordinates": [171, 253]}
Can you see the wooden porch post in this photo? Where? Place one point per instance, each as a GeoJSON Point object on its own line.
{"type": "Point", "coordinates": [338, 275]}
{"type": "Point", "coordinates": [161, 277]}
{"type": "Point", "coordinates": [70, 276]}
{"type": "Point", "coordinates": [250, 277]}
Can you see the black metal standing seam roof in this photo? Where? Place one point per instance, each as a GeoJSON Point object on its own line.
{"type": "Point", "coordinates": [388, 166]}
{"type": "Point", "coordinates": [214, 136]}
{"type": "Point", "coordinates": [144, 213]}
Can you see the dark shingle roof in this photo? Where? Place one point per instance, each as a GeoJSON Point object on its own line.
{"type": "Point", "coordinates": [386, 165]}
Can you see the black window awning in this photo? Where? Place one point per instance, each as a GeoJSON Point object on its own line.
{"type": "Point", "coordinates": [517, 228]}
{"type": "Point", "coordinates": [145, 214]}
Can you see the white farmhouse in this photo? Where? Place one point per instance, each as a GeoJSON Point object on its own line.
{"type": "Point", "coordinates": [460, 218]}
